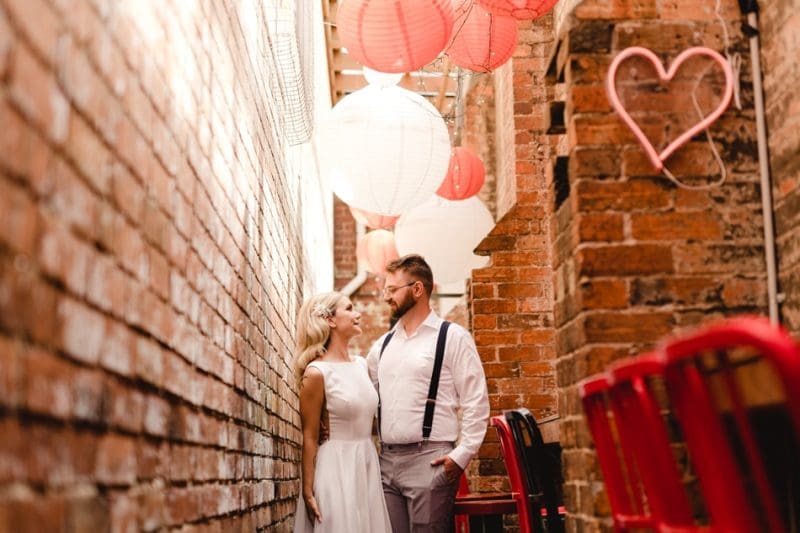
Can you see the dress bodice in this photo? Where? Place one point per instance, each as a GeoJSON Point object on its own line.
{"type": "Point", "coordinates": [350, 397]}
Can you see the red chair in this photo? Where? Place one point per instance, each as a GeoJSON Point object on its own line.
{"type": "Point", "coordinates": [501, 503]}
{"type": "Point", "coordinates": [709, 404]}
{"type": "Point", "coordinates": [622, 487]}
{"type": "Point", "coordinates": [645, 442]}
{"type": "Point", "coordinates": [487, 508]}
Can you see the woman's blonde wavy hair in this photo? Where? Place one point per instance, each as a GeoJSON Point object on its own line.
{"type": "Point", "coordinates": [313, 331]}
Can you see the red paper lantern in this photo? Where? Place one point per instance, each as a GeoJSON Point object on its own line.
{"type": "Point", "coordinates": [376, 249]}
{"type": "Point", "coordinates": [394, 35]}
{"type": "Point", "coordinates": [373, 220]}
{"type": "Point", "coordinates": [519, 9]}
{"type": "Point", "coordinates": [481, 40]}
{"type": "Point", "coordinates": [465, 176]}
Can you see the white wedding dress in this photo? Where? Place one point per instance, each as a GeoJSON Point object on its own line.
{"type": "Point", "coordinates": [347, 478]}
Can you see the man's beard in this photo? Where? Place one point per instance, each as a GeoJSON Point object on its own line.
{"type": "Point", "coordinates": [403, 307]}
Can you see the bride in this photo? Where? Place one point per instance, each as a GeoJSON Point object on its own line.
{"type": "Point", "coordinates": [341, 480]}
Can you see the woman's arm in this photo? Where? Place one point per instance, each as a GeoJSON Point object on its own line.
{"type": "Point", "coordinates": [312, 396]}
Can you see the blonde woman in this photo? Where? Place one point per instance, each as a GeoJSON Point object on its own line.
{"type": "Point", "coordinates": [341, 480]}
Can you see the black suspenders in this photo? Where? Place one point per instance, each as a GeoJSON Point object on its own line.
{"type": "Point", "coordinates": [433, 389]}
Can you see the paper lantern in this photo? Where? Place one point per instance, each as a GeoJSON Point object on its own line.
{"type": "Point", "coordinates": [395, 36]}
{"type": "Point", "coordinates": [519, 9]}
{"type": "Point", "coordinates": [445, 233]}
{"type": "Point", "coordinates": [371, 220]}
{"type": "Point", "coordinates": [376, 249]}
{"type": "Point", "coordinates": [384, 149]}
{"type": "Point", "coordinates": [381, 79]}
{"type": "Point", "coordinates": [465, 175]}
{"type": "Point", "coordinates": [482, 41]}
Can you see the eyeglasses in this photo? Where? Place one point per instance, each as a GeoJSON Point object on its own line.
{"type": "Point", "coordinates": [389, 291]}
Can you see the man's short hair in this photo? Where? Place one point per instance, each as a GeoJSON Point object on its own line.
{"type": "Point", "coordinates": [416, 266]}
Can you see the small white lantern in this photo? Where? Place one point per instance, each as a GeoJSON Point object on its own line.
{"type": "Point", "coordinates": [384, 149]}
{"type": "Point", "coordinates": [445, 233]}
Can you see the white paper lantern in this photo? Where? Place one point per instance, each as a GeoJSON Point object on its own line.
{"type": "Point", "coordinates": [384, 149]}
{"type": "Point", "coordinates": [382, 79]}
{"type": "Point", "coordinates": [445, 233]}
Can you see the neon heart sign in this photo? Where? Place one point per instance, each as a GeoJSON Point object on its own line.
{"type": "Point", "coordinates": [658, 158]}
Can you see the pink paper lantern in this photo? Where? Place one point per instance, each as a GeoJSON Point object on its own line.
{"type": "Point", "coordinates": [373, 220]}
{"type": "Point", "coordinates": [465, 176]}
{"type": "Point", "coordinates": [519, 9]}
{"type": "Point", "coordinates": [482, 41]}
{"type": "Point", "coordinates": [376, 249]}
{"type": "Point", "coordinates": [394, 36]}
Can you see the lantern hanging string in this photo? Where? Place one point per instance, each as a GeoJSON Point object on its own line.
{"type": "Point", "coordinates": [735, 60]}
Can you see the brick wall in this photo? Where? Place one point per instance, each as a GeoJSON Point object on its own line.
{"type": "Point", "coordinates": [780, 25]}
{"type": "Point", "coordinates": [149, 270]}
{"type": "Point", "coordinates": [635, 257]}
{"type": "Point", "coordinates": [511, 298]}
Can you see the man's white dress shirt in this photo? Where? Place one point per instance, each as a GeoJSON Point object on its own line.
{"type": "Point", "coordinates": [404, 375]}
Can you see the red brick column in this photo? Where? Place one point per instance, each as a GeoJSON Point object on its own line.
{"type": "Point", "coordinates": [512, 299]}
{"type": "Point", "coordinates": [635, 257]}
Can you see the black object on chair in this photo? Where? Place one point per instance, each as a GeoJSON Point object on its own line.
{"type": "Point", "coordinates": [542, 466]}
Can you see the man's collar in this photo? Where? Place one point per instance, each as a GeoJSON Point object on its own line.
{"type": "Point", "coordinates": [432, 321]}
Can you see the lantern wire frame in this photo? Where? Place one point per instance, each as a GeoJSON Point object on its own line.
{"type": "Point", "coordinates": [462, 14]}
{"type": "Point", "coordinates": [292, 37]}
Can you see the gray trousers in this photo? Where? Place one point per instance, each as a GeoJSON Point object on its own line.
{"type": "Point", "coordinates": [418, 496]}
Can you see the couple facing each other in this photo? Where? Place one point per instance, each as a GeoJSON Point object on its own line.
{"type": "Point", "coordinates": [346, 487]}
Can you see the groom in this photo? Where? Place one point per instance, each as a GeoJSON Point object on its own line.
{"type": "Point", "coordinates": [425, 370]}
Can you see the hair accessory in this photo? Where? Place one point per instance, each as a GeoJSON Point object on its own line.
{"type": "Point", "coordinates": [321, 311]}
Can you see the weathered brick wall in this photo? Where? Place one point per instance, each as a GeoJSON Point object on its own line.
{"type": "Point", "coordinates": [511, 298]}
{"type": "Point", "coordinates": [635, 257]}
{"type": "Point", "coordinates": [149, 270]}
{"type": "Point", "coordinates": [780, 25]}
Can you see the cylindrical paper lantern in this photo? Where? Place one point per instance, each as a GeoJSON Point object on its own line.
{"type": "Point", "coordinates": [384, 149]}
{"type": "Point", "coordinates": [445, 233]}
{"type": "Point", "coordinates": [376, 249]}
{"type": "Point", "coordinates": [465, 176]}
{"type": "Point", "coordinates": [519, 9]}
{"type": "Point", "coordinates": [481, 41]}
{"type": "Point", "coordinates": [394, 35]}
{"type": "Point", "coordinates": [371, 220]}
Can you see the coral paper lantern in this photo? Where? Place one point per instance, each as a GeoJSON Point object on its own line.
{"type": "Point", "coordinates": [371, 220]}
{"type": "Point", "coordinates": [395, 35]}
{"type": "Point", "coordinates": [519, 9]}
{"type": "Point", "coordinates": [384, 149]}
{"type": "Point", "coordinates": [465, 176]}
{"type": "Point", "coordinates": [376, 249]}
{"type": "Point", "coordinates": [482, 41]}
{"type": "Point", "coordinates": [445, 233]}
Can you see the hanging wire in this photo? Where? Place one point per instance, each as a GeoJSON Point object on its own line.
{"type": "Point", "coordinates": [735, 61]}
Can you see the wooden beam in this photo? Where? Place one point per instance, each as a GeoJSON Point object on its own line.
{"type": "Point", "coordinates": [347, 83]}
{"type": "Point", "coordinates": [326, 21]}
{"type": "Point", "coordinates": [443, 86]}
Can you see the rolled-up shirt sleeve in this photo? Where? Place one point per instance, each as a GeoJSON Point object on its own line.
{"type": "Point", "coordinates": [469, 381]}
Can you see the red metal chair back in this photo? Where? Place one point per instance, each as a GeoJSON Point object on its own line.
{"type": "Point", "coordinates": [621, 478]}
{"type": "Point", "coordinates": [515, 474]}
{"type": "Point", "coordinates": [725, 463]}
{"type": "Point", "coordinates": [644, 439]}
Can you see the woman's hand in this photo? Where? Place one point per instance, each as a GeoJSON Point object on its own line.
{"type": "Point", "coordinates": [311, 508]}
